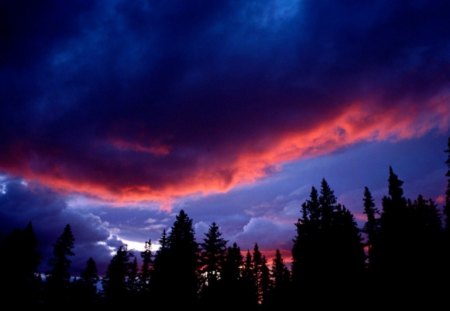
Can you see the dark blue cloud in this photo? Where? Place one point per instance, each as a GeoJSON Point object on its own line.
{"type": "Point", "coordinates": [148, 100]}
{"type": "Point", "coordinates": [21, 203]}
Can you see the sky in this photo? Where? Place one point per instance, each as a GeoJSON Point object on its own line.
{"type": "Point", "coordinates": [114, 115]}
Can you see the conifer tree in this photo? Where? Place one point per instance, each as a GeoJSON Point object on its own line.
{"type": "Point", "coordinates": [58, 282]}
{"type": "Point", "coordinates": [231, 282]}
{"type": "Point", "coordinates": [87, 284]}
{"type": "Point", "coordinates": [371, 225]}
{"type": "Point", "coordinates": [249, 290]}
{"type": "Point", "coordinates": [232, 265]}
{"type": "Point", "coordinates": [280, 273]}
{"type": "Point", "coordinates": [133, 279]}
{"type": "Point", "coordinates": [213, 255]}
{"type": "Point", "coordinates": [19, 266]}
{"type": "Point", "coordinates": [327, 252]}
{"type": "Point", "coordinates": [146, 269]}
{"type": "Point", "coordinates": [279, 295]}
{"type": "Point", "coordinates": [90, 275]}
{"type": "Point", "coordinates": [176, 265]}
{"type": "Point", "coordinates": [115, 281]}
{"type": "Point", "coordinates": [265, 282]}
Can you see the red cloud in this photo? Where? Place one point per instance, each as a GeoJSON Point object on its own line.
{"type": "Point", "coordinates": [155, 177]}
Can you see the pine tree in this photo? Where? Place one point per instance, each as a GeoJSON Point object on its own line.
{"type": "Point", "coordinates": [115, 281]}
{"type": "Point", "coordinates": [257, 265]}
{"type": "Point", "coordinates": [160, 283]}
{"type": "Point", "coordinates": [307, 240]}
{"type": "Point", "coordinates": [90, 275]}
{"type": "Point", "coordinates": [19, 267]}
{"type": "Point", "coordinates": [327, 252]}
{"type": "Point", "coordinates": [395, 228]}
{"type": "Point", "coordinates": [87, 285]}
{"type": "Point", "coordinates": [132, 279]}
{"type": "Point", "coordinates": [249, 290]}
{"type": "Point", "coordinates": [59, 278]}
{"type": "Point", "coordinates": [146, 270]}
{"type": "Point", "coordinates": [279, 296]}
{"type": "Point", "coordinates": [280, 273]}
{"type": "Point", "coordinates": [176, 264]}
{"type": "Point", "coordinates": [265, 282]}
{"type": "Point", "coordinates": [183, 250]}
{"type": "Point", "coordinates": [212, 261]}
{"type": "Point", "coordinates": [232, 266]}
{"type": "Point", "coordinates": [231, 281]}
{"type": "Point", "coordinates": [371, 226]}
{"type": "Point", "coordinates": [327, 201]}
{"type": "Point", "coordinates": [213, 254]}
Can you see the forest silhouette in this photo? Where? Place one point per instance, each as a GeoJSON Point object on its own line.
{"type": "Point", "coordinates": [400, 257]}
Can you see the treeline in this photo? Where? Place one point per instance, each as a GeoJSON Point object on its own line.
{"type": "Point", "coordinates": [400, 256]}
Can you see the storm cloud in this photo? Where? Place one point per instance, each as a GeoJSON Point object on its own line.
{"type": "Point", "coordinates": [155, 101]}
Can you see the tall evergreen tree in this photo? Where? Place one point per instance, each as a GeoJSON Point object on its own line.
{"type": "Point", "coordinates": [231, 281]}
{"type": "Point", "coordinates": [280, 273]}
{"type": "Point", "coordinates": [249, 289]}
{"type": "Point", "coordinates": [19, 266]}
{"type": "Point", "coordinates": [327, 252]}
{"type": "Point", "coordinates": [160, 282]}
{"type": "Point", "coordinates": [306, 242]}
{"type": "Point", "coordinates": [394, 231]}
{"type": "Point", "coordinates": [146, 270]}
{"type": "Point", "coordinates": [281, 283]}
{"type": "Point", "coordinates": [90, 275]}
{"type": "Point", "coordinates": [213, 254]}
{"type": "Point", "coordinates": [58, 281]}
{"type": "Point", "coordinates": [212, 262]}
{"type": "Point", "coordinates": [176, 266]}
{"type": "Point", "coordinates": [371, 226]}
{"type": "Point", "coordinates": [87, 284]}
{"type": "Point", "coordinates": [261, 274]}
{"type": "Point", "coordinates": [404, 243]}
{"type": "Point", "coordinates": [115, 281]}
{"type": "Point", "coordinates": [265, 282]}
{"type": "Point", "coordinates": [133, 283]}
{"type": "Point", "coordinates": [232, 265]}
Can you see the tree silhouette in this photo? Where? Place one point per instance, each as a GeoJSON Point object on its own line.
{"type": "Point", "coordinates": [132, 280]}
{"type": "Point", "coordinates": [249, 290]}
{"type": "Point", "coordinates": [115, 281]}
{"type": "Point", "coordinates": [146, 270]}
{"type": "Point", "coordinates": [279, 295]}
{"type": "Point", "coordinates": [265, 282]}
{"type": "Point", "coordinates": [176, 265]}
{"type": "Point", "coordinates": [58, 281]}
{"type": "Point", "coordinates": [86, 287]}
{"type": "Point", "coordinates": [372, 224]}
{"type": "Point", "coordinates": [261, 275]}
{"type": "Point", "coordinates": [231, 282]}
{"type": "Point", "coordinates": [327, 252]}
{"type": "Point", "coordinates": [19, 263]}
{"type": "Point", "coordinates": [160, 282]}
{"type": "Point", "coordinates": [212, 261]}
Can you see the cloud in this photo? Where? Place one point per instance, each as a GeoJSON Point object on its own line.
{"type": "Point", "coordinates": [21, 203]}
{"type": "Point", "coordinates": [142, 101]}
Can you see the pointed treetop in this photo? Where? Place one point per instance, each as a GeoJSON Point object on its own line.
{"type": "Point", "coordinates": [395, 186]}
{"type": "Point", "coordinates": [327, 197]}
